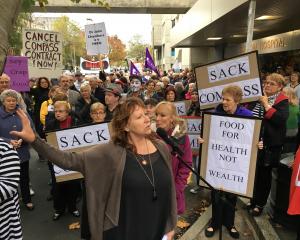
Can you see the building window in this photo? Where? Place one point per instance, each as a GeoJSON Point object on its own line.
{"type": "Point", "coordinates": [172, 52]}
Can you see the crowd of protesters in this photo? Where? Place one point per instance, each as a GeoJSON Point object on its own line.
{"type": "Point", "coordinates": [80, 100]}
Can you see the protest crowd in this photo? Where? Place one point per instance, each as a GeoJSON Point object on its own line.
{"type": "Point", "coordinates": [74, 100]}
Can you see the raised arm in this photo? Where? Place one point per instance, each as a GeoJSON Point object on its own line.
{"type": "Point", "coordinates": [66, 160]}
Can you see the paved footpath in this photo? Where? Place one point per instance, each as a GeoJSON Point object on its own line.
{"type": "Point", "coordinates": [38, 224]}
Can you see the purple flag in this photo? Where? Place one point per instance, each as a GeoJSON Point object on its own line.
{"type": "Point", "coordinates": [16, 68]}
{"type": "Point", "coordinates": [133, 69]}
{"type": "Point", "coordinates": [149, 63]}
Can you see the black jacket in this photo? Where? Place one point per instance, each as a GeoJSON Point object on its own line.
{"type": "Point", "coordinates": [99, 94]}
{"type": "Point", "coordinates": [194, 109]}
{"type": "Point", "coordinates": [82, 109]}
{"type": "Point", "coordinates": [54, 124]}
{"type": "Point", "coordinates": [274, 122]}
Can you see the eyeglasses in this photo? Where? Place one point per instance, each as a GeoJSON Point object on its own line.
{"type": "Point", "coordinates": [271, 83]}
{"type": "Point", "coordinates": [60, 111]}
{"type": "Point", "coordinates": [97, 113]}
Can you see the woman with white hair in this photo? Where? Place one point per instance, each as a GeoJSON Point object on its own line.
{"type": "Point", "coordinates": [96, 90]}
{"type": "Point", "coordinates": [83, 105]}
{"type": "Point", "coordinates": [11, 122]}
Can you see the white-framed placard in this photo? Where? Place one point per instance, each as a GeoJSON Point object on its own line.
{"type": "Point", "coordinates": [75, 140]}
{"type": "Point", "coordinates": [96, 39]}
{"type": "Point", "coordinates": [44, 50]}
{"type": "Point", "coordinates": [229, 152]}
{"type": "Point", "coordinates": [241, 70]}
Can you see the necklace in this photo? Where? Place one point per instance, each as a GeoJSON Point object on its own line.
{"type": "Point", "coordinates": [144, 162]}
{"type": "Point", "coordinates": [141, 159]}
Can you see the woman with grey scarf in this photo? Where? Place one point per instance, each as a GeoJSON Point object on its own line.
{"type": "Point", "coordinates": [273, 108]}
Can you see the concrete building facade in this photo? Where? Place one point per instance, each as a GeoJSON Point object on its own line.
{"type": "Point", "coordinates": [215, 29]}
{"type": "Point", "coordinates": [166, 56]}
{"type": "Point", "coordinates": [170, 34]}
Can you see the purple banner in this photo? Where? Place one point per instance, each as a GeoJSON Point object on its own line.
{"type": "Point", "coordinates": [149, 63]}
{"type": "Point", "coordinates": [133, 69]}
{"type": "Point", "coordinates": [16, 68]}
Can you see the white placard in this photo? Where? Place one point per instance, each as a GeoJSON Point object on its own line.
{"type": "Point", "coordinates": [194, 142]}
{"type": "Point", "coordinates": [58, 172]}
{"type": "Point", "coordinates": [229, 152]}
{"type": "Point", "coordinates": [232, 68]}
{"type": "Point", "coordinates": [96, 39]}
{"type": "Point", "coordinates": [194, 125]}
{"type": "Point", "coordinates": [180, 108]}
{"type": "Point", "coordinates": [213, 95]}
{"type": "Point", "coordinates": [44, 52]}
{"type": "Point", "coordinates": [83, 136]}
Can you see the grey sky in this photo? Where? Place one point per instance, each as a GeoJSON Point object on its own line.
{"type": "Point", "coordinates": [123, 25]}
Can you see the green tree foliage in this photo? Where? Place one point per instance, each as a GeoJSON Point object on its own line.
{"type": "Point", "coordinates": [15, 36]}
{"type": "Point", "coordinates": [136, 48]}
{"type": "Point", "coordinates": [117, 51]}
{"type": "Point", "coordinates": [73, 40]}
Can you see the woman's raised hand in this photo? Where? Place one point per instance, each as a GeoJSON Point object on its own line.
{"type": "Point", "coordinates": [27, 134]}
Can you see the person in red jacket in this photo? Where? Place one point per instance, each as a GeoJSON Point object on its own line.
{"type": "Point", "coordinates": [294, 204]}
{"type": "Point", "coordinates": [167, 119]}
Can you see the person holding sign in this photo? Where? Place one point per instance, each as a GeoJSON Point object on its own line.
{"type": "Point", "coordinates": [97, 114]}
{"type": "Point", "coordinates": [64, 193]}
{"type": "Point", "coordinates": [128, 180]}
{"type": "Point", "coordinates": [175, 127]}
{"type": "Point", "coordinates": [273, 107]}
{"type": "Point", "coordinates": [231, 98]}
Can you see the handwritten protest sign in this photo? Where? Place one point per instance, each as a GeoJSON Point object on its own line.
{"type": "Point", "coordinates": [44, 52]}
{"type": "Point", "coordinates": [96, 39]}
{"type": "Point", "coordinates": [16, 68]}
{"type": "Point", "coordinates": [228, 157]}
{"type": "Point", "coordinates": [241, 70]}
{"type": "Point", "coordinates": [76, 140]}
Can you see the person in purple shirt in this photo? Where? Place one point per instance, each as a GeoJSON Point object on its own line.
{"type": "Point", "coordinates": [231, 98]}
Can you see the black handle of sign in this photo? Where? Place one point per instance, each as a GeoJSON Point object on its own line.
{"type": "Point", "coordinates": [174, 153]}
